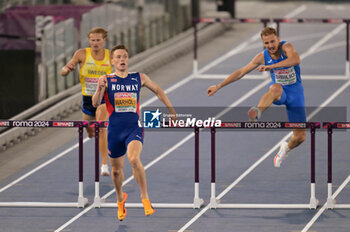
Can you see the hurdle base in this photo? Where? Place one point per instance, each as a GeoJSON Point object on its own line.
{"type": "Point", "coordinates": [341, 206]}
{"type": "Point", "coordinates": [213, 203]}
{"type": "Point", "coordinates": [82, 202]}
{"type": "Point", "coordinates": [98, 201]}
{"type": "Point", "coordinates": [154, 205]}
{"type": "Point", "coordinates": [313, 203]}
{"type": "Point", "coordinates": [331, 203]}
{"type": "Point", "coordinates": [197, 202]}
{"type": "Point", "coordinates": [263, 206]}
{"type": "Point", "coordinates": [40, 204]}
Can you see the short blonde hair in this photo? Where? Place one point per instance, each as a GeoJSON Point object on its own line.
{"type": "Point", "coordinates": [98, 30]}
{"type": "Point", "coordinates": [268, 31]}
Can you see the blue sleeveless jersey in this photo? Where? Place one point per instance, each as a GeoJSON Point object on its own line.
{"type": "Point", "coordinates": [122, 100]}
{"type": "Point", "coordinates": [122, 96]}
{"type": "Point", "coordinates": [286, 76]}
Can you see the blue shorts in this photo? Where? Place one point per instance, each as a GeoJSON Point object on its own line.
{"type": "Point", "coordinates": [120, 134]}
{"type": "Point", "coordinates": [293, 98]}
{"type": "Point", "coordinates": [87, 107]}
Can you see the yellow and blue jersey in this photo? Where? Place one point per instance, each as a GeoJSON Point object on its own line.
{"type": "Point", "coordinates": [91, 70]}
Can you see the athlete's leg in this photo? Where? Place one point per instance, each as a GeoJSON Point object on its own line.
{"type": "Point", "coordinates": [297, 138]}
{"type": "Point", "coordinates": [296, 113]}
{"type": "Point", "coordinates": [118, 175]}
{"type": "Point", "coordinates": [273, 94]}
{"type": "Point", "coordinates": [118, 178]}
{"type": "Point", "coordinates": [134, 150]}
{"type": "Point", "coordinates": [102, 115]}
{"type": "Point", "coordinates": [90, 130]}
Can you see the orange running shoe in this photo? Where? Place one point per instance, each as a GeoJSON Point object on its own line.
{"type": "Point", "coordinates": [121, 208]}
{"type": "Point", "coordinates": [148, 207]}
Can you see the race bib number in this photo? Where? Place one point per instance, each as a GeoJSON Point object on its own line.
{"type": "Point", "coordinates": [285, 76]}
{"type": "Point", "coordinates": [90, 86]}
{"type": "Point", "coordinates": [125, 102]}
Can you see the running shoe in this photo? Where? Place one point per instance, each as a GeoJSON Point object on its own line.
{"type": "Point", "coordinates": [254, 114]}
{"type": "Point", "coordinates": [121, 208]}
{"type": "Point", "coordinates": [104, 170]}
{"type": "Point", "coordinates": [282, 154]}
{"type": "Point", "coordinates": [148, 207]}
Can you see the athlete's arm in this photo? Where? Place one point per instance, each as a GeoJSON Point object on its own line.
{"type": "Point", "coordinates": [98, 95]}
{"type": "Point", "coordinates": [292, 59]}
{"type": "Point", "coordinates": [78, 58]}
{"type": "Point", "coordinates": [151, 85]}
{"type": "Point", "coordinates": [253, 64]}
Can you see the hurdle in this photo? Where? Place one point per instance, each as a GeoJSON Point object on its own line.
{"type": "Point", "coordinates": [81, 201]}
{"type": "Point", "coordinates": [331, 202]}
{"type": "Point", "coordinates": [278, 22]}
{"type": "Point", "coordinates": [214, 203]}
{"type": "Point", "coordinates": [197, 201]}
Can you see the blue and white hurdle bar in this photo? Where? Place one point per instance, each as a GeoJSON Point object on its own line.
{"type": "Point", "coordinates": [265, 22]}
{"type": "Point", "coordinates": [98, 202]}
{"type": "Point", "coordinates": [214, 202]}
{"type": "Point", "coordinates": [331, 202]}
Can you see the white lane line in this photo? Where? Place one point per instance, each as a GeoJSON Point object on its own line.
{"type": "Point", "coordinates": [42, 165]}
{"type": "Point", "coordinates": [324, 207]}
{"type": "Point", "coordinates": [327, 37]}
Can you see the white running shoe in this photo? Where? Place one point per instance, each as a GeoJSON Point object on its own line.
{"type": "Point", "coordinates": [104, 170]}
{"type": "Point", "coordinates": [254, 114]}
{"type": "Point", "coordinates": [282, 154]}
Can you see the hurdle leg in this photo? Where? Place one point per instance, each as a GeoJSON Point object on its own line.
{"type": "Point", "coordinates": [347, 63]}
{"type": "Point", "coordinates": [81, 200]}
{"type": "Point", "coordinates": [213, 201]}
{"type": "Point", "coordinates": [195, 47]}
{"type": "Point", "coordinates": [313, 200]}
{"type": "Point", "coordinates": [97, 199]}
{"type": "Point", "coordinates": [330, 201]}
{"type": "Point", "coordinates": [197, 202]}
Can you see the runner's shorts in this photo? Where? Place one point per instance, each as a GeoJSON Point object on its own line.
{"type": "Point", "coordinates": [120, 133]}
{"type": "Point", "coordinates": [293, 98]}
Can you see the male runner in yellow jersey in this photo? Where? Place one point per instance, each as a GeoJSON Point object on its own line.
{"type": "Point", "coordinates": [94, 62]}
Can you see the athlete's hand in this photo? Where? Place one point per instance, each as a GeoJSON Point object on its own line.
{"type": "Point", "coordinates": [212, 89]}
{"type": "Point", "coordinates": [70, 66]}
{"type": "Point", "coordinates": [102, 82]}
{"type": "Point", "coordinates": [67, 69]}
{"type": "Point", "coordinates": [264, 68]}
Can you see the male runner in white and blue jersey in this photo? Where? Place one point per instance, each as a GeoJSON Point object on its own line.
{"type": "Point", "coordinates": [121, 91]}
{"type": "Point", "coordinates": [281, 59]}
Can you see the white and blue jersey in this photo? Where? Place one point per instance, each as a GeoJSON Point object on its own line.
{"type": "Point", "coordinates": [290, 80]}
{"type": "Point", "coordinates": [122, 97]}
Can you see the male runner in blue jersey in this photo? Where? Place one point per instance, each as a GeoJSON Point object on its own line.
{"type": "Point", "coordinates": [121, 91]}
{"type": "Point", "coordinates": [281, 59]}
